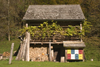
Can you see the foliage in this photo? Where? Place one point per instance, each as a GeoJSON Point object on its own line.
{"type": "Point", "coordinates": [92, 49]}
{"type": "Point", "coordinates": [45, 29]}
{"type": "Point", "coordinates": [86, 27]}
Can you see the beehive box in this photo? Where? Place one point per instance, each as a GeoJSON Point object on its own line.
{"type": "Point", "coordinates": [74, 54]}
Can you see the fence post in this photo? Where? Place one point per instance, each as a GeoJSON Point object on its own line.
{"type": "Point", "coordinates": [11, 53]}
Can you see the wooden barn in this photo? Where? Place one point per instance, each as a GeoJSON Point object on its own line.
{"type": "Point", "coordinates": [57, 48]}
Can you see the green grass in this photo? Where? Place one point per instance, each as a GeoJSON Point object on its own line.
{"type": "Point", "coordinates": [49, 64]}
{"type": "Point", "coordinates": [5, 46]}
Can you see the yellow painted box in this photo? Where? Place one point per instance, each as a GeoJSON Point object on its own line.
{"type": "Point", "coordinates": [80, 56]}
{"type": "Point", "coordinates": [68, 51]}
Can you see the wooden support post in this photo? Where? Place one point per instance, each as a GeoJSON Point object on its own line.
{"type": "Point", "coordinates": [27, 45]}
{"type": "Point", "coordinates": [49, 50]}
{"type": "Point", "coordinates": [54, 38]}
{"type": "Point", "coordinates": [24, 47]}
{"type": "Point", "coordinates": [83, 56]}
{"type": "Point", "coordinates": [65, 55]}
{"type": "Point", "coordinates": [81, 30]}
{"type": "Point", "coordinates": [52, 55]}
{"type": "Point", "coordinates": [11, 53]}
{"type": "Point", "coordinates": [26, 24]}
{"type": "Point", "coordinates": [19, 52]}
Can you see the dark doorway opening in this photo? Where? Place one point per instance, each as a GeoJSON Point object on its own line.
{"type": "Point", "coordinates": [57, 54]}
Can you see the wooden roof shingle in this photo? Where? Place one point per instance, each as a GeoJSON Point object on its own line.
{"type": "Point", "coordinates": [54, 12]}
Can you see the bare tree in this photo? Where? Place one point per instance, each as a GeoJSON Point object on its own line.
{"type": "Point", "coordinates": [8, 22]}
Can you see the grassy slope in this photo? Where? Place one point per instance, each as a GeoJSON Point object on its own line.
{"type": "Point", "coordinates": [5, 46]}
{"type": "Point", "coordinates": [49, 64]}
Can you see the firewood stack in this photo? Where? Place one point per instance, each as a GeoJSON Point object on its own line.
{"type": "Point", "coordinates": [38, 53]}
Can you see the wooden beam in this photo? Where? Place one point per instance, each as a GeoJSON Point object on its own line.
{"type": "Point", "coordinates": [52, 54]}
{"type": "Point", "coordinates": [24, 48]}
{"type": "Point", "coordinates": [11, 53]}
{"type": "Point", "coordinates": [26, 24]}
{"type": "Point", "coordinates": [49, 50]}
{"type": "Point", "coordinates": [83, 56]}
{"type": "Point", "coordinates": [54, 38]}
{"type": "Point", "coordinates": [19, 52]}
{"type": "Point", "coordinates": [46, 42]}
{"type": "Point", "coordinates": [81, 31]}
{"type": "Point", "coordinates": [68, 26]}
{"type": "Point", "coordinates": [65, 55]}
{"type": "Point", "coordinates": [27, 46]}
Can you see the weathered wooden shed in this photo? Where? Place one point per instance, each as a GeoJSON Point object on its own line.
{"type": "Point", "coordinates": [61, 48]}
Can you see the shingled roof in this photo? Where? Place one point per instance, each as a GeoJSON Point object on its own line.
{"type": "Point", "coordinates": [54, 12]}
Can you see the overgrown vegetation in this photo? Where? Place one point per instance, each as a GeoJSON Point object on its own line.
{"type": "Point", "coordinates": [92, 49]}
{"type": "Point", "coordinates": [46, 30]}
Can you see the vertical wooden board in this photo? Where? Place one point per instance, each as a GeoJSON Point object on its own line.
{"type": "Point", "coordinates": [62, 59]}
{"type": "Point", "coordinates": [72, 56]}
{"type": "Point", "coordinates": [49, 50]}
{"type": "Point", "coordinates": [65, 55]}
{"type": "Point", "coordinates": [52, 55]}
{"type": "Point", "coordinates": [80, 56]}
{"type": "Point", "coordinates": [81, 30]}
{"type": "Point", "coordinates": [76, 51]}
{"type": "Point", "coordinates": [68, 51]}
{"type": "Point", "coordinates": [83, 56]}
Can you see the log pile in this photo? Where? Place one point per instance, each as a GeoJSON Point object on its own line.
{"type": "Point", "coordinates": [23, 53]}
{"type": "Point", "coordinates": [38, 54]}
{"type": "Point", "coordinates": [6, 54]}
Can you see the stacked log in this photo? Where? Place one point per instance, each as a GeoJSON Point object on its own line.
{"type": "Point", "coordinates": [38, 53]}
{"type": "Point", "coordinates": [22, 50]}
{"type": "Point", "coordinates": [6, 54]}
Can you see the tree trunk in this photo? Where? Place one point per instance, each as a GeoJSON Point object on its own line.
{"type": "Point", "coordinates": [8, 23]}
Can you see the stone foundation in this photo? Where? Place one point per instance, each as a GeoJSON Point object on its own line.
{"type": "Point", "coordinates": [38, 53]}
